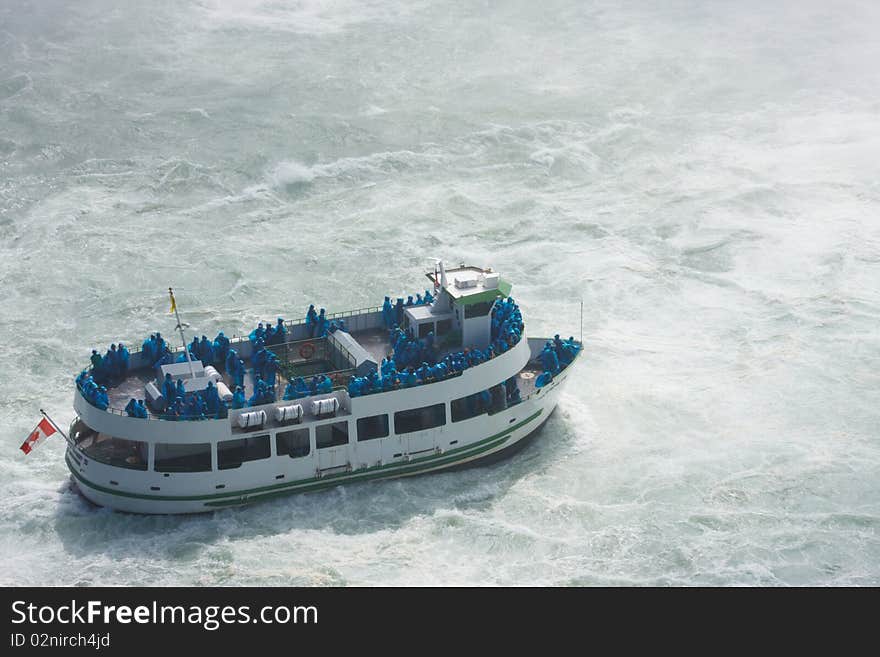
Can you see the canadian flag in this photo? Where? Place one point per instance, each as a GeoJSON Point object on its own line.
{"type": "Point", "coordinates": [43, 430]}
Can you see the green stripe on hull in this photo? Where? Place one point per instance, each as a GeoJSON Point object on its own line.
{"type": "Point", "coordinates": [413, 468]}
{"type": "Point", "coordinates": [316, 483]}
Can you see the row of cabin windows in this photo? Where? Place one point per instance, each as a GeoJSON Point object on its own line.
{"type": "Point", "coordinates": [196, 457]}
{"type": "Point", "coordinates": [174, 457]}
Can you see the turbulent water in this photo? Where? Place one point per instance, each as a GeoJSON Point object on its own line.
{"type": "Point", "coordinates": [703, 174]}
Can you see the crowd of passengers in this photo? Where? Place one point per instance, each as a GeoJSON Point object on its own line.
{"type": "Point", "coordinates": [196, 405]}
{"type": "Point", "coordinates": [157, 351]}
{"type": "Point", "coordinates": [112, 367]}
{"type": "Point", "coordinates": [392, 314]}
{"type": "Point", "coordinates": [555, 355]}
{"type": "Point", "coordinates": [414, 362]}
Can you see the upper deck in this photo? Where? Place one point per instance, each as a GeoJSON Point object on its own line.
{"type": "Point", "coordinates": [433, 341]}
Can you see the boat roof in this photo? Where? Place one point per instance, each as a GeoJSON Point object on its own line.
{"type": "Point", "coordinates": [469, 285]}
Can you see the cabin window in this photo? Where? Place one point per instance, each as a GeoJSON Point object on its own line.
{"type": "Point", "coordinates": [478, 309]}
{"type": "Point", "coordinates": [118, 452]}
{"type": "Point", "coordinates": [426, 328]}
{"type": "Point", "coordinates": [464, 408]}
{"type": "Point", "coordinates": [372, 427]}
{"type": "Point", "coordinates": [331, 435]}
{"type": "Point", "coordinates": [232, 453]}
{"type": "Point", "coordinates": [293, 443]}
{"type": "Point", "coordinates": [183, 457]}
{"type": "Point", "coordinates": [444, 326]}
{"type": "Point", "coordinates": [419, 419]}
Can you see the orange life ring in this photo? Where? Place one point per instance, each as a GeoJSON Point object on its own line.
{"type": "Point", "coordinates": [307, 350]}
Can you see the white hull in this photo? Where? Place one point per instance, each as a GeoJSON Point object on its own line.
{"type": "Point", "coordinates": [452, 445]}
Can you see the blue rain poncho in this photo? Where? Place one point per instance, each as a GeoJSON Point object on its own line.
{"type": "Point", "coordinates": [169, 392]}
{"type": "Point", "coordinates": [124, 359]}
{"type": "Point", "coordinates": [388, 313]}
{"type": "Point", "coordinates": [311, 320]}
{"type": "Point", "coordinates": [301, 388]}
{"type": "Point", "coordinates": [238, 398]}
{"type": "Point", "coordinates": [206, 351]}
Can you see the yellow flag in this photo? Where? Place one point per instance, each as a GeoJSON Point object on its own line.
{"type": "Point", "coordinates": [173, 303]}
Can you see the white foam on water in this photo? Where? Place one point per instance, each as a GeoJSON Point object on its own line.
{"type": "Point", "coordinates": [703, 178]}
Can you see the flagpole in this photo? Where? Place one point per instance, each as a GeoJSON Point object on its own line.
{"type": "Point", "coordinates": [57, 428]}
{"type": "Point", "coordinates": [182, 336]}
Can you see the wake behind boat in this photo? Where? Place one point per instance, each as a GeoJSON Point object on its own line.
{"type": "Point", "coordinates": [407, 388]}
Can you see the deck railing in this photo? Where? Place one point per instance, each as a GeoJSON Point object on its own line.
{"type": "Point", "coordinates": [238, 339]}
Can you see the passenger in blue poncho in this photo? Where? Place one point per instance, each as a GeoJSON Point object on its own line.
{"type": "Point", "coordinates": [212, 398]}
{"type": "Point", "coordinates": [124, 359]}
{"type": "Point", "coordinates": [429, 298]}
{"type": "Point", "coordinates": [221, 350]}
{"type": "Point", "coordinates": [238, 398]}
{"type": "Point", "coordinates": [280, 332]}
{"type": "Point", "coordinates": [302, 390]}
{"type": "Point", "coordinates": [148, 347]}
{"type": "Point", "coordinates": [101, 400]}
{"type": "Point", "coordinates": [194, 349]}
{"type": "Point", "coordinates": [206, 351]}
{"type": "Point", "coordinates": [321, 324]}
{"type": "Point", "coordinates": [169, 392]}
{"type": "Point", "coordinates": [311, 320]}
{"type": "Point", "coordinates": [111, 364]}
{"type": "Point", "coordinates": [388, 313]}
{"type": "Point", "coordinates": [290, 390]}
{"type": "Point", "coordinates": [548, 358]}
{"type": "Point", "coordinates": [231, 359]}
{"type": "Point", "coordinates": [181, 390]}
{"type": "Point", "coordinates": [398, 311]}
{"type": "Point", "coordinates": [130, 408]}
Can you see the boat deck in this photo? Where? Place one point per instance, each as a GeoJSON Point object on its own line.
{"type": "Point", "coordinates": [374, 341]}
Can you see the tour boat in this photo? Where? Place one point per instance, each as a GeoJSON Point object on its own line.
{"type": "Point", "coordinates": [369, 418]}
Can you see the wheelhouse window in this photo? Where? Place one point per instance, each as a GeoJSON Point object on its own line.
{"type": "Point", "coordinates": [183, 457]}
{"type": "Point", "coordinates": [118, 452]}
{"type": "Point", "coordinates": [478, 309]}
{"type": "Point", "coordinates": [372, 427]}
{"type": "Point", "coordinates": [420, 419]}
{"type": "Point", "coordinates": [444, 326]}
{"type": "Point", "coordinates": [294, 444]}
{"type": "Point", "coordinates": [232, 453]}
{"type": "Point", "coordinates": [331, 435]}
{"type": "Point", "coordinates": [425, 328]}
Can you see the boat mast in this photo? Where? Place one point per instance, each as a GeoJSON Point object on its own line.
{"type": "Point", "coordinates": [182, 336]}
